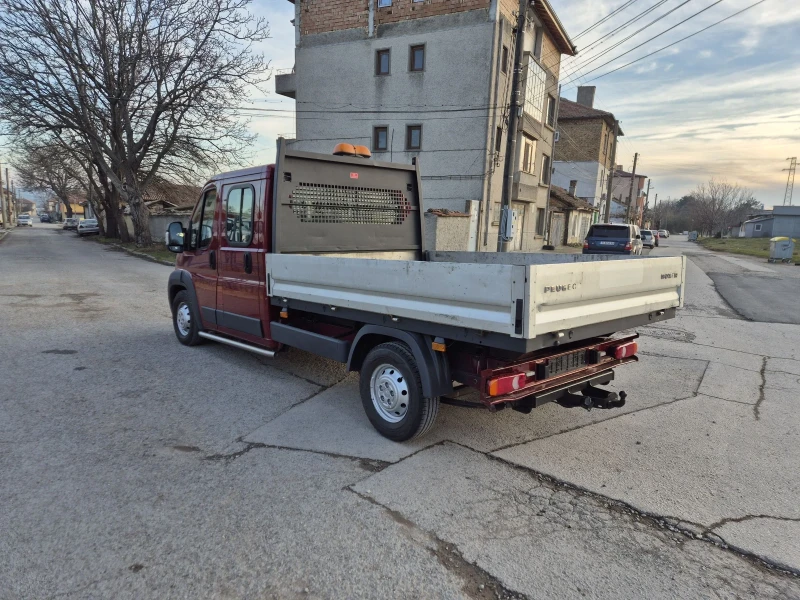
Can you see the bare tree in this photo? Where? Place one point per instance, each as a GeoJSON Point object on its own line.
{"type": "Point", "coordinates": [718, 205]}
{"type": "Point", "coordinates": [48, 169]}
{"type": "Point", "coordinates": [147, 86]}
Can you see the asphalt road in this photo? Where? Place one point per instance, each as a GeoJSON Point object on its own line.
{"type": "Point", "coordinates": [134, 467]}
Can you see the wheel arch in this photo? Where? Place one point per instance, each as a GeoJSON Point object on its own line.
{"type": "Point", "coordinates": [180, 280]}
{"type": "Point", "coordinates": [433, 367]}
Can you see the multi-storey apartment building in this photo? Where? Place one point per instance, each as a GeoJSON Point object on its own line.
{"type": "Point", "coordinates": [431, 80]}
{"type": "Point", "coordinates": [583, 156]}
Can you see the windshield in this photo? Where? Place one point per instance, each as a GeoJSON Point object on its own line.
{"type": "Point", "coordinates": [609, 231]}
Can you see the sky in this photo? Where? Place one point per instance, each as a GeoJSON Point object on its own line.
{"type": "Point", "coordinates": [723, 104]}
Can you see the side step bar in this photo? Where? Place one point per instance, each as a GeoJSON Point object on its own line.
{"type": "Point", "coordinates": [235, 344]}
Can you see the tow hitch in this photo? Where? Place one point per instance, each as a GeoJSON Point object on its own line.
{"type": "Point", "coordinates": [593, 397]}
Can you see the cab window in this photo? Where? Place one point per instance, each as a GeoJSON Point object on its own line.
{"type": "Point", "coordinates": [239, 215]}
{"type": "Point", "coordinates": [202, 225]}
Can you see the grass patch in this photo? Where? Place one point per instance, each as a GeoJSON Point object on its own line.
{"type": "Point", "coordinates": [157, 251]}
{"type": "Point", "coordinates": [758, 247]}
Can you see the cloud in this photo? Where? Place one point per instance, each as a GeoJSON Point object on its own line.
{"type": "Point", "coordinates": [647, 68]}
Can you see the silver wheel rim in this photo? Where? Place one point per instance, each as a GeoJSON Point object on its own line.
{"type": "Point", "coordinates": [183, 319]}
{"type": "Point", "coordinates": [390, 395]}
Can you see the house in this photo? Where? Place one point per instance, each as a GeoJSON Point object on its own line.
{"type": "Point", "coordinates": [423, 80]}
{"type": "Point", "coordinates": [757, 227]}
{"type": "Point", "coordinates": [570, 217]}
{"type": "Point", "coordinates": [621, 199]}
{"type": "Point", "coordinates": [584, 148]}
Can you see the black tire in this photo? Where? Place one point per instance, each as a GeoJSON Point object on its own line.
{"type": "Point", "coordinates": [190, 334]}
{"type": "Point", "coordinates": [420, 412]}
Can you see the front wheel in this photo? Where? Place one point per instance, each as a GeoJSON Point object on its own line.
{"type": "Point", "coordinates": [185, 320]}
{"type": "Point", "coordinates": [391, 393]}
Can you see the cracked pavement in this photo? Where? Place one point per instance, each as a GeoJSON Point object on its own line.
{"type": "Point", "coordinates": [133, 467]}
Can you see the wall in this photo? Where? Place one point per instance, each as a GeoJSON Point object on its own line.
{"type": "Point", "coordinates": [454, 138]}
{"type": "Point", "coordinates": [159, 223]}
{"type": "Point", "coordinates": [786, 226]}
{"type": "Point", "coordinates": [402, 10]}
{"type": "Point", "coordinates": [591, 177]}
{"type": "Point", "coordinates": [319, 16]}
{"type": "Point", "coordinates": [581, 140]}
{"type": "Point", "coordinates": [446, 233]}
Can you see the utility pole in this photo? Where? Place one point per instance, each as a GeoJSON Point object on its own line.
{"type": "Point", "coordinates": [503, 242]}
{"type": "Point", "coordinates": [647, 197]}
{"type": "Point", "coordinates": [630, 194]}
{"type": "Point", "coordinates": [787, 196]}
{"type": "Point", "coordinates": [607, 218]}
{"type": "Point", "coordinates": [9, 202]}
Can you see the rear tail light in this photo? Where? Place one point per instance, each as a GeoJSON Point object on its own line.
{"type": "Point", "coordinates": [586, 244]}
{"type": "Point", "coordinates": [505, 384]}
{"type": "Point", "coordinates": [628, 246]}
{"type": "Point", "coordinates": [625, 350]}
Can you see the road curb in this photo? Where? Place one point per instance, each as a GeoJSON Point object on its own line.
{"type": "Point", "coordinates": [138, 254]}
{"type": "Point", "coordinates": [4, 233]}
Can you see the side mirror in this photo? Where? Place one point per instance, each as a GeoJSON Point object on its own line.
{"type": "Point", "coordinates": [175, 237]}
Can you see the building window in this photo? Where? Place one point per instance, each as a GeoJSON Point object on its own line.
{"type": "Point", "coordinates": [551, 111]}
{"type": "Point", "coordinates": [383, 62]}
{"type": "Point", "coordinates": [539, 221]}
{"type": "Point", "coordinates": [504, 60]}
{"type": "Point", "coordinates": [535, 80]}
{"type": "Point", "coordinates": [414, 137]}
{"type": "Point", "coordinates": [605, 145]}
{"type": "Point", "coordinates": [528, 154]}
{"type": "Point", "coordinates": [537, 42]}
{"type": "Point", "coordinates": [545, 177]}
{"type": "Point", "coordinates": [757, 227]}
{"type": "Point", "coordinates": [380, 139]}
{"type": "Point", "coordinates": [498, 139]}
{"type": "Point", "coordinates": [416, 58]}
{"type": "Point", "coordinates": [384, 3]}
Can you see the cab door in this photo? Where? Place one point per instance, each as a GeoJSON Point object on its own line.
{"type": "Point", "coordinates": [201, 258]}
{"type": "Point", "coordinates": [241, 290]}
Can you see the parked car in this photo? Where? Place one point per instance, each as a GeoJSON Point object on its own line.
{"type": "Point", "coordinates": [663, 233]}
{"type": "Point", "coordinates": [648, 239]}
{"type": "Point", "coordinates": [24, 221]}
{"type": "Point", "coordinates": [613, 238]}
{"type": "Point", "coordinates": [44, 218]}
{"type": "Point", "coordinates": [87, 227]}
{"type": "Point", "coordinates": [70, 223]}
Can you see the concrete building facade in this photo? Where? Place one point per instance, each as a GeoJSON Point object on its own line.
{"type": "Point", "coordinates": [621, 197]}
{"type": "Point", "coordinates": [583, 152]}
{"type": "Point", "coordinates": [431, 81]}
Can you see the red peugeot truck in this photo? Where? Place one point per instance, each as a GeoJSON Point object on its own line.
{"type": "Point", "coordinates": [326, 253]}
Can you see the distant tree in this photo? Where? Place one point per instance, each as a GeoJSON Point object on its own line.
{"type": "Point", "coordinates": [147, 87]}
{"type": "Point", "coordinates": [718, 205]}
{"type": "Point", "coordinates": [48, 169]}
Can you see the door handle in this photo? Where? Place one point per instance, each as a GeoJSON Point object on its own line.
{"type": "Point", "coordinates": [212, 259]}
{"type": "Point", "coordinates": [248, 263]}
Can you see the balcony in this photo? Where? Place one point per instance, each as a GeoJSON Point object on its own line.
{"type": "Point", "coordinates": [286, 83]}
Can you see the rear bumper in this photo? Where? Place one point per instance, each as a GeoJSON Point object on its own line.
{"type": "Point", "coordinates": [621, 252]}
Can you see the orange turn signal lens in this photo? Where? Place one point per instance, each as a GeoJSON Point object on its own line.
{"type": "Point", "coordinates": [284, 314]}
{"type": "Point", "coordinates": [505, 384]}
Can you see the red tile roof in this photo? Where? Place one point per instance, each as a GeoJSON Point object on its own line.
{"type": "Point", "coordinates": [569, 110]}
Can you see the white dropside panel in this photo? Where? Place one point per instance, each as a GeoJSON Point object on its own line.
{"type": "Point", "coordinates": [479, 297]}
{"type": "Point", "coordinates": [565, 296]}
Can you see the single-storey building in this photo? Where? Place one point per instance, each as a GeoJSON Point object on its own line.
{"type": "Point", "coordinates": [786, 221]}
{"type": "Point", "coordinates": [757, 227]}
{"type": "Point", "coordinates": [570, 217]}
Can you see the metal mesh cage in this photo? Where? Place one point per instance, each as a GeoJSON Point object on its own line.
{"type": "Point", "coordinates": [326, 203]}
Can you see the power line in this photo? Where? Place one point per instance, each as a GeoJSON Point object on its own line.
{"type": "Point", "coordinates": [662, 33]}
{"type": "Point", "coordinates": [676, 42]}
{"type": "Point", "coordinates": [591, 59]}
{"type": "Point", "coordinates": [604, 19]}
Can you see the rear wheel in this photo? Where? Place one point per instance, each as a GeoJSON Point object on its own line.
{"type": "Point", "coordinates": [391, 393]}
{"type": "Point", "coordinates": [185, 320]}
